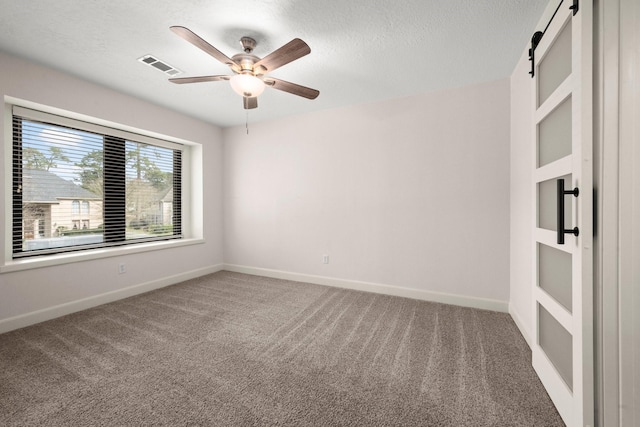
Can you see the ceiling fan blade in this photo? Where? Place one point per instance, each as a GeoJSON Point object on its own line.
{"type": "Point", "coordinates": [197, 41]}
{"type": "Point", "coordinates": [181, 80]}
{"type": "Point", "coordinates": [250, 102]}
{"type": "Point", "coordinates": [291, 51]}
{"type": "Point", "coordinates": [305, 92]}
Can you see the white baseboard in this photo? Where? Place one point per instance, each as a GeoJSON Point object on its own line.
{"type": "Point", "coordinates": [520, 324]}
{"type": "Point", "coordinates": [49, 313]}
{"type": "Point", "coordinates": [460, 300]}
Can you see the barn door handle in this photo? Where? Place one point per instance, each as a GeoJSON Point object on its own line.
{"type": "Point", "coordinates": [561, 193]}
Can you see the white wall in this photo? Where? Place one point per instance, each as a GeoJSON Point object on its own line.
{"type": "Point", "coordinates": [629, 213]}
{"type": "Point", "coordinates": [617, 184]}
{"type": "Point", "coordinates": [43, 292]}
{"type": "Point", "coordinates": [411, 193]}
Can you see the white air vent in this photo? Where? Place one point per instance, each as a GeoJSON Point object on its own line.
{"type": "Point", "coordinates": [154, 62]}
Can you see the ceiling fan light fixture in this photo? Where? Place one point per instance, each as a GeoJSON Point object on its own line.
{"type": "Point", "coordinates": [247, 85]}
{"type": "Point", "coordinates": [250, 69]}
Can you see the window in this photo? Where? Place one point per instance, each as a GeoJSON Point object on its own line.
{"type": "Point", "coordinates": [85, 208]}
{"type": "Point", "coordinates": [79, 186]}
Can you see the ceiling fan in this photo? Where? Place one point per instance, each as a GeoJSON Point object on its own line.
{"type": "Point", "coordinates": [250, 71]}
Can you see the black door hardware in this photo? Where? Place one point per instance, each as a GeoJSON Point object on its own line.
{"type": "Point", "coordinates": [561, 193]}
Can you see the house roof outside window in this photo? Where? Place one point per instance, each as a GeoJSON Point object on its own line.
{"type": "Point", "coordinates": [41, 186]}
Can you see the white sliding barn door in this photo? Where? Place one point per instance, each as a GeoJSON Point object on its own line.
{"type": "Point", "coordinates": [562, 348]}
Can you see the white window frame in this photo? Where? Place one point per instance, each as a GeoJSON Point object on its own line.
{"type": "Point", "coordinates": [192, 193]}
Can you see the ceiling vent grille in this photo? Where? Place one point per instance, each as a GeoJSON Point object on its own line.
{"type": "Point", "coordinates": [154, 62]}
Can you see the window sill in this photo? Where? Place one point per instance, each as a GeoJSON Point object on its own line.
{"type": "Point", "coordinates": [53, 260]}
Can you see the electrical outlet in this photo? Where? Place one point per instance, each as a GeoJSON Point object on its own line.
{"type": "Point", "coordinates": [122, 268]}
{"type": "Point", "coordinates": [325, 259]}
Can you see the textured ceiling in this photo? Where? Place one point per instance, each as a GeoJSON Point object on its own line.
{"type": "Point", "coordinates": [361, 51]}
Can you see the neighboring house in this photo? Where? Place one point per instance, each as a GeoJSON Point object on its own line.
{"type": "Point", "coordinates": [51, 203]}
{"type": "Point", "coordinates": [147, 206]}
{"type": "Point", "coordinates": [165, 207]}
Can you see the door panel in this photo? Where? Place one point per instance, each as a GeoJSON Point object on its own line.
{"type": "Point", "coordinates": [554, 274]}
{"type": "Point", "coordinates": [562, 348]}
{"type": "Point", "coordinates": [547, 204]}
{"type": "Point", "coordinates": [557, 344]}
{"type": "Point", "coordinates": [554, 134]}
{"type": "Point", "coordinates": [556, 65]}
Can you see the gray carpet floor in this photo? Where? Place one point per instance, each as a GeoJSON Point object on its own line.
{"type": "Point", "coordinates": [230, 349]}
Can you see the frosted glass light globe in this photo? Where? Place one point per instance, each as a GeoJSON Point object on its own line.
{"type": "Point", "coordinates": [247, 85]}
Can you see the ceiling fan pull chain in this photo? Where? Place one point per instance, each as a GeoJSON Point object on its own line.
{"type": "Point", "coordinates": [247, 123]}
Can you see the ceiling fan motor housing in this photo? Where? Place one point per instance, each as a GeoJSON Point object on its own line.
{"type": "Point", "coordinates": [246, 61]}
